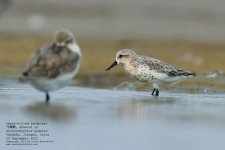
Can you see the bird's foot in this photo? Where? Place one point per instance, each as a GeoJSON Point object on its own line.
{"type": "Point", "coordinates": [47, 98]}
{"type": "Point", "coordinates": [155, 92]}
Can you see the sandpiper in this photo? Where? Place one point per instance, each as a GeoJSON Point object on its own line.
{"type": "Point", "coordinates": [54, 65]}
{"type": "Point", "coordinates": [147, 69]}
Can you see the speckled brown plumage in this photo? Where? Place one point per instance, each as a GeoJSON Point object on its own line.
{"type": "Point", "coordinates": [162, 67]}
{"type": "Point", "coordinates": [52, 61]}
{"type": "Point", "coordinates": [147, 69]}
{"type": "Point", "coordinates": [54, 66]}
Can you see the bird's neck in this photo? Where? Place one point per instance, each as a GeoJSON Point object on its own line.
{"type": "Point", "coordinates": [129, 66]}
{"type": "Point", "coordinates": [75, 48]}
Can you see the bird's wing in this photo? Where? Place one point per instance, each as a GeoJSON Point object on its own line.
{"type": "Point", "coordinates": [51, 61]}
{"type": "Point", "coordinates": [162, 67]}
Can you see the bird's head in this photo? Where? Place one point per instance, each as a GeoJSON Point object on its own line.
{"type": "Point", "coordinates": [63, 37]}
{"type": "Point", "coordinates": [122, 57]}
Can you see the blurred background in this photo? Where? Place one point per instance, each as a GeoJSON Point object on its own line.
{"type": "Point", "coordinates": [189, 34]}
{"type": "Point", "coordinates": [186, 33]}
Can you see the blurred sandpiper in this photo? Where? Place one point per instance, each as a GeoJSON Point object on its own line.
{"type": "Point", "coordinates": [147, 69]}
{"type": "Point", "coordinates": [55, 65]}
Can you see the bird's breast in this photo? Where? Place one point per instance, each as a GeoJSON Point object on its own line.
{"type": "Point", "coordinates": [130, 69]}
{"type": "Point", "coordinates": [145, 74]}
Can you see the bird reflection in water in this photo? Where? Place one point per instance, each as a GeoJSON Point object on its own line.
{"type": "Point", "coordinates": [54, 112]}
{"type": "Point", "coordinates": [143, 108]}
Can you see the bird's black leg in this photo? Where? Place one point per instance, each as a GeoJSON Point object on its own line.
{"type": "Point", "coordinates": [153, 91]}
{"type": "Point", "coordinates": [47, 97]}
{"type": "Point", "coordinates": [157, 92]}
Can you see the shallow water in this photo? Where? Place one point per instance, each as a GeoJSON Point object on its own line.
{"type": "Point", "coordinates": [87, 118]}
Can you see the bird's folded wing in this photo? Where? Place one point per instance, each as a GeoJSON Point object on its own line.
{"type": "Point", "coordinates": [51, 63]}
{"type": "Point", "coordinates": [162, 67]}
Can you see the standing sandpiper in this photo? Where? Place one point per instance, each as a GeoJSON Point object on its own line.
{"type": "Point", "coordinates": [55, 65]}
{"type": "Point", "coordinates": [147, 69]}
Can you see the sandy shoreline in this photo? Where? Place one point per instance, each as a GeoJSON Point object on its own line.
{"type": "Point", "coordinates": [98, 53]}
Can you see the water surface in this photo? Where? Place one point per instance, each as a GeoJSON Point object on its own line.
{"type": "Point", "coordinates": [87, 118]}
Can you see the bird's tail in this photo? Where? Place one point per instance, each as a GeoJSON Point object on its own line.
{"type": "Point", "coordinates": [188, 74]}
{"type": "Point", "coordinates": [175, 73]}
{"type": "Point", "coordinates": [23, 78]}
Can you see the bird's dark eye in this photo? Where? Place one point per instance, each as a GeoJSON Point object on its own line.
{"type": "Point", "coordinates": [69, 41]}
{"type": "Point", "coordinates": [120, 56]}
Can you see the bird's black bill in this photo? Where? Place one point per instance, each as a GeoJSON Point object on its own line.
{"type": "Point", "coordinates": [111, 66]}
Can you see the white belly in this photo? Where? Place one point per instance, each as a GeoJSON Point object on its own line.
{"type": "Point", "coordinates": [152, 76]}
{"type": "Point", "coordinates": [46, 85]}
